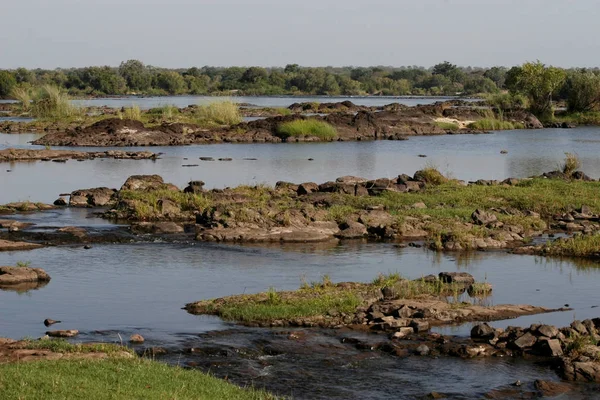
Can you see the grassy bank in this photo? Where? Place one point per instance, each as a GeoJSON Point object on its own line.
{"type": "Point", "coordinates": [113, 379]}
{"type": "Point", "coordinates": [81, 375]}
{"type": "Point", "coordinates": [577, 246]}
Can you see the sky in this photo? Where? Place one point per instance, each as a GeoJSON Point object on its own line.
{"type": "Point", "coordinates": [186, 33]}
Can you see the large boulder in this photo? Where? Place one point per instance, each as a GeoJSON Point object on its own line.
{"type": "Point", "coordinates": [194, 187]}
{"type": "Point", "coordinates": [481, 217]}
{"type": "Point", "coordinates": [96, 197]}
{"type": "Point", "coordinates": [460, 278]}
{"type": "Point", "coordinates": [143, 182]}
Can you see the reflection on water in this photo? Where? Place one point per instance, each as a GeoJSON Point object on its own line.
{"type": "Point", "coordinates": [467, 157]}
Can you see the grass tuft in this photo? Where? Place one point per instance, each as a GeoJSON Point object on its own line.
{"type": "Point", "coordinates": [51, 103]}
{"type": "Point", "coordinates": [570, 164]}
{"type": "Point", "coordinates": [218, 113]}
{"type": "Point", "coordinates": [493, 124]}
{"type": "Point", "coordinates": [306, 128]}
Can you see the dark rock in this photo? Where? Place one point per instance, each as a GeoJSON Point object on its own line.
{"type": "Point", "coordinates": [307, 187]}
{"type": "Point", "coordinates": [462, 278]}
{"type": "Point", "coordinates": [352, 230]}
{"type": "Point", "coordinates": [61, 201]}
{"type": "Point", "coordinates": [551, 389]}
{"type": "Point", "coordinates": [525, 341]}
{"type": "Point", "coordinates": [548, 331]}
{"type": "Point", "coordinates": [194, 187]}
{"type": "Point", "coordinates": [483, 332]}
{"type": "Point", "coordinates": [483, 218]}
{"type": "Point", "coordinates": [550, 348]}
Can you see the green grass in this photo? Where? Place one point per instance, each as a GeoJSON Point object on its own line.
{"type": "Point", "coordinates": [580, 118]}
{"type": "Point", "coordinates": [113, 379]}
{"type": "Point", "coordinates": [577, 246]}
{"type": "Point", "coordinates": [271, 305]}
{"type": "Point", "coordinates": [305, 128]}
{"type": "Point", "coordinates": [62, 346]}
{"type": "Point", "coordinates": [448, 126]}
{"type": "Point", "coordinates": [339, 213]}
{"type": "Point", "coordinates": [317, 299]}
{"type": "Point", "coordinates": [493, 124]}
{"type": "Point", "coordinates": [146, 202]}
{"type": "Point", "coordinates": [23, 264]}
{"type": "Point", "coordinates": [132, 112]}
{"type": "Point", "coordinates": [218, 113]}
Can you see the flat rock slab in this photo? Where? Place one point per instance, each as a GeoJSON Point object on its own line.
{"type": "Point", "coordinates": [19, 275]}
{"type": "Point", "coordinates": [63, 333]}
{"type": "Point", "coordinates": [63, 155]}
{"type": "Point", "coordinates": [8, 245]}
{"type": "Point", "coordinates": [438, 312]}
{"type": "Point", "coordinates": [18, 351]}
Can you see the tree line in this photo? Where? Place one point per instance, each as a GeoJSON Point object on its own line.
{"type": "Point", "coordinates": [539, 83]}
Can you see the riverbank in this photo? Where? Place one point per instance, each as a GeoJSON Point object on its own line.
{"type": "Point", "coordinates": [55, 369]}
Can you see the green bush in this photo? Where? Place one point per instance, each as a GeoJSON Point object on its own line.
{"type": "Point", "coordinates": [218, 113]}
{"type": "Point", "coordinates": [50, 102]}
{"type": "Point", "coordinates": [307, 127]}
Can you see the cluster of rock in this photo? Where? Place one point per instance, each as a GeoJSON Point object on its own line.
{"type": "Point", "coordinates": [64, 155]}
{"type": "Point", "coordinates": [393, 122]}
{"type": "Point", "coordinates": [292, 212]}
{"type": "Point", "coordinates": [574, 346]}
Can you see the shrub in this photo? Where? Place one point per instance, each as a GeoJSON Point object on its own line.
{"type": "Point", "coordinates": [218, 113]}
{"type": "Point", "coordinates": [307, 127]}
{"type": "Point", "coordinates": [132, 112]}
{"type": "Point", "coordinates": [23, 96]}
{"type": "Point", "coordinates": [50, 102]}
{"type": "Point", "coordinates": [570, 164]}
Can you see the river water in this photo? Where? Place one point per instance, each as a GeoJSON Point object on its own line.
{"type": "Point", "coordinates": [259, 101]}
{"type": "Point", "coordinates": [467, 157]}
{"type": "Point", "coordinates": [111, 291]}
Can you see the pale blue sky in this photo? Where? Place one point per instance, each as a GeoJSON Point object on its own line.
{"type": "Point", "coordinates": [185, 33]}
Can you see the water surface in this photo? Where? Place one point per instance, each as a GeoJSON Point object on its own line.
{"type": "Point", "coordinates": [259, 101]}
{"type": "Point", "coordinates": [467, 157]}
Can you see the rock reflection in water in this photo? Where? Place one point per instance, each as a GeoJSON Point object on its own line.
{"type": "Point", "coordinates": [23, 287]}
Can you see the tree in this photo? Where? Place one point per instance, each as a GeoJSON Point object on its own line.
{"type": "Point", "coordinates": [479, 84]}
{"type": "Point", "coordinates": [7, 83]}
{"type": "Point", "coordinates": [104, 80]}
{"type": "Point", "coordinates": [136, 75]}
{"type": "Point", "coordinates": [254, 75]}
{"type": "Point", "coordinates": [171, 82]}
{"type": "Point", "coordinates": [496, 74]}
{"type": "Point", "coordinates": [582, 90]}
{"type": "Point", "coordinates": [539, 83]}
{"type": "Point", "coordinates": [23, 75]}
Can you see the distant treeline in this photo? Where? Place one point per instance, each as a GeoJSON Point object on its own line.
{"type": "Point", "coordinates": [133, 77]}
